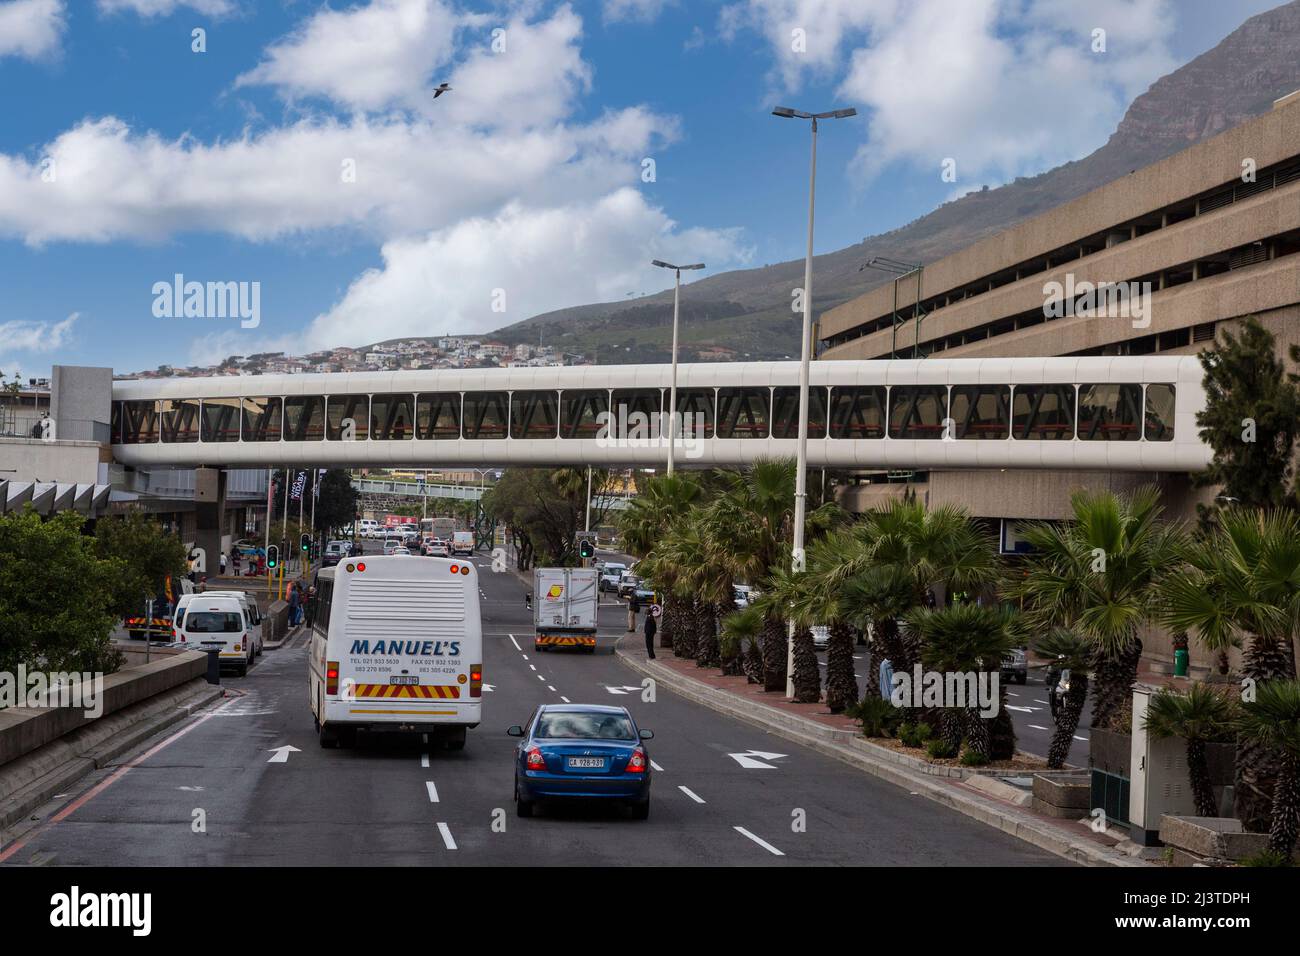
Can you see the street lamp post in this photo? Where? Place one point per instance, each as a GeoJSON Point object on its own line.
{"type": "Point", "coordinates": [805, 357]}
{"type": "Point", "coordinates": [672, 392]}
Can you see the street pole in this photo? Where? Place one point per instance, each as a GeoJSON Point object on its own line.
{"type": "Point", "coordinates": [672, 391]}
{"type": "Point", "coordinates": [587, 525]}
{"type": "Point", "coordinates": [805, 357]}
{"type": "Point", "coordinates": [270, 502]}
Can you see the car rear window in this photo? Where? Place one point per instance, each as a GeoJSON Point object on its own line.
{"type": "Point", "coordinates": [213, 622]}
{"type": "Point", "coordinates": [589, 726]}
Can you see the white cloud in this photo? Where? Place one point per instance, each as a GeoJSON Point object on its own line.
{"type": "Point", "coordinates": [113, 183]}
{"type": "Point", "coordinates": [541, 258]}
{"type": "Point", "coordinates": [1004, 87]}
{"type": "Point", "coordinates": [24, 336]}
{"type": "Point", "coordinates": [365, 58]}
{"type": "Point", "coordinates": [31, 29]}
{"type": "Point", "coordinates": [163, 8]}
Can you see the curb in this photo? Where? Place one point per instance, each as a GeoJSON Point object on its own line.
{"type": "Point", "coordinates": [956, 795]}
{"type": "Point", "coordinates": [33, 779]}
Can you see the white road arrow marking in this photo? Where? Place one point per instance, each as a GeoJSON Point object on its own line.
{"type": "Point", "coordinates": [489, 687]}
{"type": "Point", "coordinates": [748, 761]}
{"type": "Point", "coordinates": [281, 754]}
{"type": "Point", "coordinates": [1023, 710]}
{"type": "Point", "coordinates": [624, 689]}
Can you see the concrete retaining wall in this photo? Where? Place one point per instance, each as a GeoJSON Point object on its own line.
{"type": "Point", "coordinates": [24, 729]}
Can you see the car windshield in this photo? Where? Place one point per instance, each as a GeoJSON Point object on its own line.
{"type": "Point", "coordinates": [561, 726]}
{"type": "Point", "coordinates": [213, 622]}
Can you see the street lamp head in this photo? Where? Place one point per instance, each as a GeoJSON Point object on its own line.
{"type": "Point", "coordinates": [695, 265]}
{"type": "Point", "coordinates": [784, 112]}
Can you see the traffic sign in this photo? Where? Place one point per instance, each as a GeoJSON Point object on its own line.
{"type": "Point", "coordinates": [656, 609]}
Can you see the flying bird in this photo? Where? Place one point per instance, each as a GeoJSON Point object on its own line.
{"type": "Point", "coordinates": [440, 89]}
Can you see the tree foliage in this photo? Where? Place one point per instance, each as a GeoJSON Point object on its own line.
{"type": "Point", "coordinates": [55, 596]}
{"type": "Point", "coordinates": [145, 556]}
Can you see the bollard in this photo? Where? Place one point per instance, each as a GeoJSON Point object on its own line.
{"type": "Point", "coordinates": [214, 665]}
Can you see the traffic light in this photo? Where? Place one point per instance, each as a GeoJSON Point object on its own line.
{"type": "Point", "coordinates": [304, 542]}
{"type": "Point", "coordinates": [272, 557]}
{"type": "Point", "coordinates": [586, 548]}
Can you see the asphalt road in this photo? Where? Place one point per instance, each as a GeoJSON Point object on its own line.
{"type": "Point", "coordinates": [209, 792]}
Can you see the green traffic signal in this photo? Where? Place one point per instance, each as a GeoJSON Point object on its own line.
{"type": "Point", "coordinates": [305, 542]}
{"type": "Point", "coordinates": [272, 556]}
{"type": "Point", "coordinates": [586, 549]}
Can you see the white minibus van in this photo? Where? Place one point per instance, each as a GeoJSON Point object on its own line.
{"type": "Point", "coordinates": [396, 646]}
{"type": "Point", "coordinates": [220, 620]}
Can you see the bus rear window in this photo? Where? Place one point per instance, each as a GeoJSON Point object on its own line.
{"type": "Point", "coordinates": [213, 622]}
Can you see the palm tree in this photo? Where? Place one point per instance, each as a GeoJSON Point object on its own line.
{"type": "Point", "coordinates": [786, 599]}
{"type": "Point", "coordinates": [1273, 721]}
{"type": "Point", "coordinates": [960, 639]}
{"type": "Point", "coordinates": [645, 521]}
{"type": "Point", "coordinates": [1098, 575]}
{"type": "Point", "coordinates": [823, 602]}
{"type": "Point", "coordinates": [1199, 716]}
{"type": "Point", "coordinates": [1073, 653]}
{"type": "Point", "coordinates": [1240, 586]}
{"type": "Point", "coordinates": [875, 600]}
{"type": "Point", "coordinates": [741, 641]}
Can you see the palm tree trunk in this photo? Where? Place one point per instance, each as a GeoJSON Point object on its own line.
{"type": "Point", "coordinates": [874, 656]}
{"type": "Point", "coordinates": [807, 675]}
{"type": "Point", "coordinates": [706, 634]}
{"type": "Point", "coordinates": [1067, 722]}
{"type": "Point", "coordinates": [952, 725]}
{"type": "Point", "coordinates": [1198, 770]}
{"type": "Point", "coordinates": [668, 623]}
{"type": "Point", "coordinates": [1002, 739]}
{"type": "Point", "coordinates": [1258, 767]}
{"type": "Point", "coordinates": [774, 653]}
{"type": "Point", "coordinates": [754, 660]}
{"type": "Point", "coordinates": [1113, 677]}
{"type": "Point", "coordinates": [979, 733]}
{"type": "Point", "coordinates": [1286, 807]}
{"type": "Point", "coordinates": [684, 636]}
{"type": "Point", "coordinates": [841, 680]}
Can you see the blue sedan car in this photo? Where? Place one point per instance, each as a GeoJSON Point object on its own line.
{"type": "Point", "coordinates": [582, 751]}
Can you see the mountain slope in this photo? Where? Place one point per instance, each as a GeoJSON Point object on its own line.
{"type": "Point", "coordinates": [750, 309]}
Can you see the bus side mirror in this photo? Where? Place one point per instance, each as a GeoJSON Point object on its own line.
{"type": "Point", "coordinates": [515, 731]}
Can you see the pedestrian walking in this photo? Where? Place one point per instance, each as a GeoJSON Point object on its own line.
{"type": "Point", "coordinates": [633, 605]}
{"type": "Point", "coordinates": [651, 627]}
{"type": "Point", "coordinates": [295, 605]}
{"type": "Point", "coordinates": [223, 562]}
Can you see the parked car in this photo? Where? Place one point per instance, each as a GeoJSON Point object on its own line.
{"type": "Point", "coordinates": [742, 594]}
{"type": "Point", "coordinates": [627, 584]}
{"type": "Point", "coordinates": [582, 752]}
{"type": "Point", "coordinates": [821, 636]}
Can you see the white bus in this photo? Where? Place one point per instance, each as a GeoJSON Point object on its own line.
{"type": "Point", "coordinates": [396, 646]}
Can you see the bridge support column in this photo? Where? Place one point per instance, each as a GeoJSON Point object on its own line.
{"type": "Point", "coordinates": [209, 515]}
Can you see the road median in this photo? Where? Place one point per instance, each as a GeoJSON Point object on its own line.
{"type": "Point", "coordinates": [983, 798]}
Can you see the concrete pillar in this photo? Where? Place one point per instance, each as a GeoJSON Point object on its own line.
{"type": "Point", "coordinates": [209, 515]}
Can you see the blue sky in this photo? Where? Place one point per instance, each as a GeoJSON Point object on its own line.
{"type": "Point", "coordinates": [522, 190]}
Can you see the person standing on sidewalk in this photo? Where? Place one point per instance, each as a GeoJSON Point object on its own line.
{"type": "Point", "coordinates": [633, 605]}
{"type": "Point", "coordinates": [295, 605]}
{"type": "Point", "coordinates": [651, 626]}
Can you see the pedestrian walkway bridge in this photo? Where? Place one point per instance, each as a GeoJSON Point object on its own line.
{"type": "Point", "coordinates": [1125, 413]}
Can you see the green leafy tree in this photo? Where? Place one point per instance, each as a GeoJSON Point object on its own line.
{"type": "Point", "coordinates": [336, 505]}
{"type": "Point", "coordinates": [145, 555]}
{"type": "Point", "coordinates": [544, 509]}
{"type": "Point", "coordinates": [55, 595]}
{"type": "Point", "coordinates": [1251, 418]}
{"type": "Point", "coordinates": [1200, 716]}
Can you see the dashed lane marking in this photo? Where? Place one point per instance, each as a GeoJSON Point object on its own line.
{"type": "Point", "coordinates": [759, 840]}
{"type": "Point", "coordinates": [514, 642]}
{"type": "Point", "coordinates": [447, 839]}
{"type": "Point", "coordinates": [691, 793]}
{"type": "Point", "coordinates": [433, 792]}
{"type": "Point", "coordinates": [424, 761]}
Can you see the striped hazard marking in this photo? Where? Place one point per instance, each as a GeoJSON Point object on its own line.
{"type": "Point", "coordinates": [426, 692]}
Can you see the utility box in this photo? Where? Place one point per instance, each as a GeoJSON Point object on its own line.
{"type": "Point", "coordinates": [1160, 783]}
{"type": "Point", "coordinates": [565, 601]}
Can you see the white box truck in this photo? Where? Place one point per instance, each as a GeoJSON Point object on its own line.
{"type": "Point", "coordinates": [564, 608]}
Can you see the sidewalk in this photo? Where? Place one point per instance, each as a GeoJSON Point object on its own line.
{"type": "Point", "coordinates": [976, 795]}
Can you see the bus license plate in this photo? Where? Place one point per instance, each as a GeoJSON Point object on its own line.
{"type": "Point", "coordinates": [586, 763]}
{"type": "Point", "coordinates": [403, 679]}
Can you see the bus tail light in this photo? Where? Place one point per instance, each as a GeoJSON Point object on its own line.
{"type": "Point", "coordinates": [476, 680]}
{"type": "Point", "coordinates": [636, 763]}
{"type": "Point", "coordinates": [535, 759]}
{"type": "Point", "coordinates": [332, 677]}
